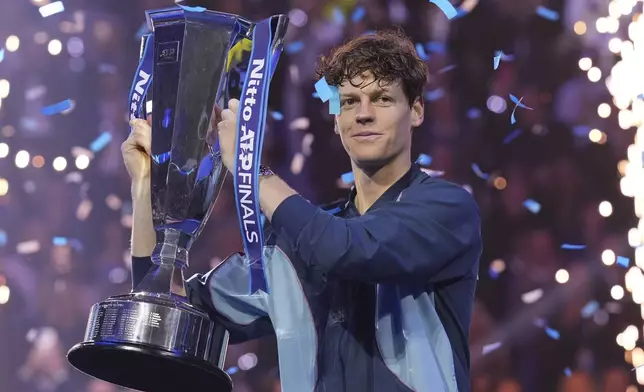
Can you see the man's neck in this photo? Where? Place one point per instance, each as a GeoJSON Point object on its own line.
{"type": "Point", "coordinates": [371, 184]}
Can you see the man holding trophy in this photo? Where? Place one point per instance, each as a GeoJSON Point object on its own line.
{"type": "Point", "coordinates": [373, 294]}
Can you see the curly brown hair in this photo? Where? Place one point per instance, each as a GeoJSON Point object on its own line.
{"type": "Point", "coordinates": [388, 54]}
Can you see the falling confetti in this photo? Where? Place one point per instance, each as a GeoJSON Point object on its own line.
{"type": "Point", "coordinates": [547, 13]}
{"type": "Point", "coordinates": [512, 135]}
{"type": "Point", "coordinates": [448, 9]}
{"type": "Point", "coordinates": [479, 173]}
{"type": "Point", "coordinates": [277, 115]}
{"type": "Point", "coordinates": [623, 261]}
{"type": "Point", "coordinates": [1, 55]}
{"type": "Point", "coordinates": [434, 95]}
{"type": "Point", "coordinates": [101, 141]}
{"type": "Point", "coordinates": [328, 93]}
{"type": "Point", "coordinates": [421, 52]}
{"type": "Point", "coordinates": [347, 178]}
{"type": "Point", "coordinates": [567, 372]}
{"type": "Point", "coordinates": [51, 9]}
{"type": "Point", "coordinates": [424, 159]}
{"type": "Point", "coordinates": [532, 206]}
{"type": "Point", "coordinates": [358, 14]}
{"type": "Point", "coordinates": [62, 107]}
{"type": "Point", "coordinates": [338, 16]}
{"type": "Point", "coordinates": [552, 333]}
{"type": "Point", "coordinates": [573, 246]}
{"type": "Point", "coordinates": [294, 47]}
{"type": "Point", "coordinates": [589, 309]}
{"type": "Point", "coordinates": [518, 104]}
{"type": "Point", "coordinates": [532, 296]}
{"type": "Point", "coordinates": [488, 348]}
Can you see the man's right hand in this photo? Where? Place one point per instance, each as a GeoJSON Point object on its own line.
{"type": "Point", "coordinates": [136, 151]}
{"type": "Point", "coordinates": [136, 155]}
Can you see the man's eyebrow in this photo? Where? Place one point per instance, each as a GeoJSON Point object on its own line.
{"type": "Point", "coordinates": [371, 93]}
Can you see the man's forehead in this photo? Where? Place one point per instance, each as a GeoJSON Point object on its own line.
{"type": "Point", "coordinates": [366, 84]}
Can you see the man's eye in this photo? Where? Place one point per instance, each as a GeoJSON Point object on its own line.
{"type": "Point", "coordinates": [348, 101]}
{"type": "Point", "coordinates": [384, 98]}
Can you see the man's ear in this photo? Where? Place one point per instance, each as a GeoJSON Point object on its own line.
{"type": "Point", "coordinates": [417, 112]}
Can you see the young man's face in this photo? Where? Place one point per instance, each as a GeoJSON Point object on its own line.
{"type": "Point", "coordinates": [375, 121]}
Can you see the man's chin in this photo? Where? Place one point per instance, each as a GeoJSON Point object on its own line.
{"type": "Point", "coordinates": [370, 161]}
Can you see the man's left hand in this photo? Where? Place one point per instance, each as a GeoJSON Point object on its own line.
{"type": "Point", "coordinates": [227, 132]}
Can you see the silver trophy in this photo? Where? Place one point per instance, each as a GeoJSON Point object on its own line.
{"type": "Point", "coordinates": [153, 339]}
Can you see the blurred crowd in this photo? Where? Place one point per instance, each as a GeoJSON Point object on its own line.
{"type": "Point", "coordinates": [64, 234]}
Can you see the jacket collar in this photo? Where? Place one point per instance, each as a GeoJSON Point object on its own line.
{"type": "Point", "coordinates": [392, 193]}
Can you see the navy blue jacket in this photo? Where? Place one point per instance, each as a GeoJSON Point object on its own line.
{"type": "Point", "coordinates": [373, 303]}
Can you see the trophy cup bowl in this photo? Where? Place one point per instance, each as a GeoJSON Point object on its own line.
{"type": "Point", "coordinates": [153, 339]}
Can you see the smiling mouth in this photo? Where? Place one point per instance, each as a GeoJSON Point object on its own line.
{"type": "Point", "coordinates": [366, 135]}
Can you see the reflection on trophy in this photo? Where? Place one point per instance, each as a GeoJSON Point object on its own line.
{"type": "Point", "coordinates": [152, 339]}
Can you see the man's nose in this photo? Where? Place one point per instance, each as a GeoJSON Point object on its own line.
{"type": "Point", "coordinates": [365, 112]}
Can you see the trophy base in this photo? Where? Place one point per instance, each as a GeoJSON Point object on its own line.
{"type": "Point", "coordinates": [146, 368]}
{"type": "Point", "coordinates": [153, 342]}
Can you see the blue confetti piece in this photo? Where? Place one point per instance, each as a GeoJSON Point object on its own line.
{"type": "Point", "coordinates": [532, 206]}
{"type": "Point", "coordinates": [323, 89]}
{"type": "Point", "coordinates": [547, 13]}
{"type": "Point", "coordinates": [567, 372]}
{"type": "Point", "coordinates": [347, 178]}
{"type": "Point", "coordinates": [277, 115]}
{"type": "Point", "coordinates": [572, 246]}
{"type": "Point", "coordinates": [328, 93]}
{"type": "Point", "coordinates": [434, 95]}
{"type": "Point", "coordinates": [232, 370]}
{"type": "Point", "coordinates": [517, 103]}
{"type": "Point", "coordinates": [589, 309]}
{"type": "Point", "coordinates": [447, 8]}
{"type": "Point", "coordinates": [368, 32]}
{"type": "Point", "coordinates": [101, 141]}
{"type": "Point", "coordinates": [192, 9]}
{"type": "Point", "coordinates": [316, 95]}
{"type": "Point", "coordinates": [59, 241]}
{"type": "Point", "coordinates": [623, 261]}
{"type": "Point", "coordinates": [334, 103]}
{"type": "Point", "coordinates": [479, 173]}
{"type": "Point", "coordinates": [59, 107]}
{"type": "Point", "coordinates": [334, 210]}
{"type": "Point", "coordinates": [493, 274]}
{"type": "Point", "coordinates": [512, 135]}
{"type": "Point", "coordinates": [338, 16]}
{"type": "Point", "coordinates": [358, 14]}
{"type": "Point", "coordinates": [1, 55]}
{"type": "Point", "coordinates": [421, 52]}
{"type": "Point", "coordinates": [497, 59]}
{"type": "Point", "coordinates": [552, 333]}
{"type": "Point", "coordinates": [3, 238]}
{"type": "Point", "coordinates": [294, 47]}
{"type": "Point", "coordinates": [435, 47]}
{"type": "Point", "coordinates": [424, 159]}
